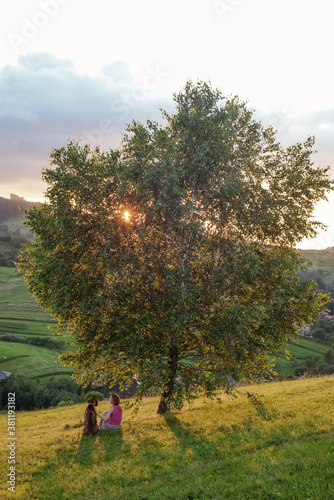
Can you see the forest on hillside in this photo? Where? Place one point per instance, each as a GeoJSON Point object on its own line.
{"type": "Point", "coordinates": [14, 206]}
{"type": "Point", "coordinates": [13, 234]}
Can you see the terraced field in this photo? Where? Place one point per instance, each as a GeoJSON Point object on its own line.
{"type": "Point", "coordinates": [304, 347]}
{"type": "Point", "coordinates": [28, 360]}
{"type": "Point", "coordinates": [21, 316]}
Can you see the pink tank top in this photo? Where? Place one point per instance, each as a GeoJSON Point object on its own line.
{"type": "Point", "coordinates": [116, 416]}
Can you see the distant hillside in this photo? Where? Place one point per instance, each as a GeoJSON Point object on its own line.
{"type": "Point", "coordinates": [13, 233]}
{"type": "Point", "coordinates": [322, 271]}
{"type": "Point", "coordinates": [14, 206]}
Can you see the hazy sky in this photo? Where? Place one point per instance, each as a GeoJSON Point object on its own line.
{"type": "Point", "coordinates": [82, 69]}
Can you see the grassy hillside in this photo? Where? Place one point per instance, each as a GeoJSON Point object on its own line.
{"type": "Point", "coordinates": [13, 235]}
{"type": "Point", "coordinates": [299, 350]}
{"type": "Point", "coordinates": [234, 450]}
{"type": "Point", "coordinates": [20, 315]}
{"type": "Point", "coordinates": [16, 303]}
{"type": "Point", "coordinates": [29, 360]}
{"type": "Point", "coordinates": [323, 260]}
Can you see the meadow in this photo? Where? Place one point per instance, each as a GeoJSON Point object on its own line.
{"type": "Point", "coordinates": [29, 360]}
{"type": "Point", "coordinates": [22, 316]}
{"type": "Point", "coordinates": [281, 447]}
{"type": "Point", "coordinates": [299, 350]}
{"type": "Point", "coordinates": [17, 304]}
{"type": "Point", "coordinates": [323, 261]}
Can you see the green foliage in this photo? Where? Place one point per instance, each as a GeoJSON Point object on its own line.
{"type": "Point", "coordinates": [329, 356]}
{"type": "Point", "coordinates": [23, 389]}
{"type": "Point", "coordinates": [318, 333]}
{"type": "Point", "coordinates": [30, 395]}
{"type": "Point", "coordinates": [65, 403]}
{"type": "Point", "coordinates": [198, 284]}
{"type": "Point", "coordinates": [48, 342]}
{"type": "Point", "coordinates": [323, 277]}
{"type": "Point", "coordinates": [94, 394]}
{"type": "Point", "coordinates": [323, 329]}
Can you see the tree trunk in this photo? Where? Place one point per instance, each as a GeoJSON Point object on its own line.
{"type": "Point", "coordinates": [171, 374]}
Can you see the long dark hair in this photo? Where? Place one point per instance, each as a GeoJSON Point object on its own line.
{"type": "Point", "coordinates": [116, 399]}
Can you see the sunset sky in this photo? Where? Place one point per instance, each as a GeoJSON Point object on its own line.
{"type": "Point", "coordinates": [82, 69]}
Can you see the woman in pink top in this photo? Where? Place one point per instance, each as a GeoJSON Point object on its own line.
{"type": "Point", "coordinates": [112, 418]}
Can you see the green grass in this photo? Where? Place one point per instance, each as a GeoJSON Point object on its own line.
{"type": "Point", "coordinates": [283, 450]}
{"type": "Point", "coordinates": [323, 260]}
{"type": "Point", "coordinates": [304, 347]}
{"type": "Point", "coordinates": [15, 223]}
{"type": "Point", "coordinates": [20, 314]}
{"type": "Point", "coordinates": [15, 301]}
{"type": "Point", "coordinates": [29, 360]}
{"type": "Point", "coordinates": [43, 379]}
{"type": "Point", "coordinates": [307, 347]}
{"type": "Point", "coordinates": [24, 327]}
{"type": "Point", "coordinates": [320, 258]}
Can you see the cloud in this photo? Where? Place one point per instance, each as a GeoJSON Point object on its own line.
{"type": "Point", "coordinates": [296, 128]}
{"type": "Point", "coordinates": [44, 101]}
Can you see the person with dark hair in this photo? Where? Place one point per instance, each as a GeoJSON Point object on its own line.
{"type": "Point", "coordinates": [112, 418]}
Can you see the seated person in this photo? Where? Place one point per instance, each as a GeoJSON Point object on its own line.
{"type": "Point", "coordinates": [112, 418]}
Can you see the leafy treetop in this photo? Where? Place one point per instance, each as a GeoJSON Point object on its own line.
{"type": "Point", "coordinates": [197, 282]}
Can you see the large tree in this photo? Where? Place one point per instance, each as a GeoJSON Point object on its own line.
{"type": "Point", "coordinates": [172, 259]}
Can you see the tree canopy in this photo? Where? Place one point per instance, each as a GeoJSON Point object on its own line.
{"type": "Point", "coordinates": [172, 258]}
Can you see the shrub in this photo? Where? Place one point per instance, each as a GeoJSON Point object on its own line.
{"type": "Point", "coordinates": [318, 333]}
{"type": "Point", "coordinates": [326, 369]}
{"type": "Point", "coordinates": [94, 394]}
{"type": "Point", "coordinates": [329, 356]}
{"type": "Point", "coordinates": [65, 403]}
{"type": "Point", "coordinates": [24, 392]}
{"type": "Point", "coordinates": [301, 370]}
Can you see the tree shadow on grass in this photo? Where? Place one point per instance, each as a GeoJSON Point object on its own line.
{"type": "Point", "coordinates": [108, 444]}
{"type": "Point", "coordinates": [76, 457]}
{"type": "Point", "coordinates": [112, 442]}
{"type": "Point", "coordinates": [189, 440]}
{"type": "Point", "coordinates": [85, 450]}
{"type": "Point", "coordinates": [214, 462]}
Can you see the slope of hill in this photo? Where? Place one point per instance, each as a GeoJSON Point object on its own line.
{"type": "Point", "coordinates": [13, 233]}
{"type": "Point", "coordinates": [281, 446]}
{"type": "Point", "coordinates": [22, 317]}
{"type": "Point", "coordinates": [14, 206]}
{"type": "Point", "coordinates": [322, 271]}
